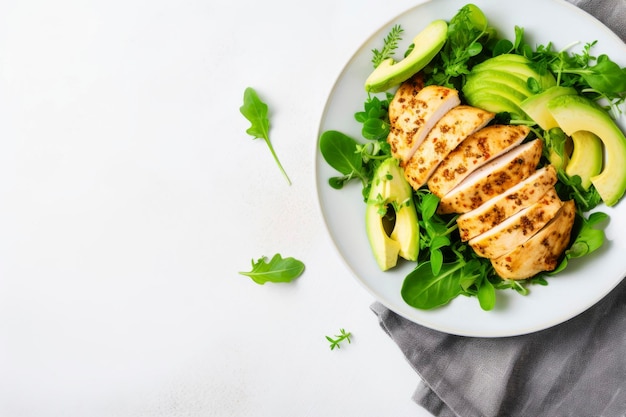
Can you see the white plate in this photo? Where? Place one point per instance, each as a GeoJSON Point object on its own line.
{"type": "Point", "coordinates": [575, 290]}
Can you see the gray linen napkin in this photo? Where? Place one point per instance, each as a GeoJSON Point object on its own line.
{"type": "Point", "coordinates": [576, 369]}
{"type": "Point", "coordinates": [610, 12]}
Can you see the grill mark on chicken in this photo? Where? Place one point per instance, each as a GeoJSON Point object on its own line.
{"type": "Point", "coordinates": [449, 131]}
{"type": "Point", "coordinates": [518, 228]}
{"type": "Point", "coordinates": [496, 210]}
{"type": "Point", "coordinates": [493, 179]}
{"type": "Point", "coordinates": [475, 151]}
{"type": "Point", "coordinates": [542, 251]}
{"type": "Point", "coordinates": [413, 112]}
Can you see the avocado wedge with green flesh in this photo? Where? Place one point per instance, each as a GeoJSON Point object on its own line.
{"type": "Point", "coordinates": [500, 84]}
{"type": "Point", "coordinates": [493, 101]}
{"type": "Point", "coordinates": [397, 236]}
{"type": "Point", "coordinates": [586, 159]}
{"type": "Point", "coordinates": [426, 45]}
{"type": "Point", "coordinates": [493, 76]}
{"type": "Point", "coordinates": [535, 105]}
{"type": "Point", "coordinates": [575, 113]}
{"type": "Point", "coordinates": [517, 65]}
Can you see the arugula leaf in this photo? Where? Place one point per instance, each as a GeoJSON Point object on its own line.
{"type": "Point", "coordinates": [335, 343]}
{"type": "Point", "coordinates": [390, 44]}
{"type": "Point", "coordinates": [277, 270]}
{"type": "Point", "coordinates": [486, 295]}
{"type": "Point", "coordinates": [256, 111]}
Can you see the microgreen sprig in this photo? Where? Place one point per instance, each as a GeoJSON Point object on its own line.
{"type": "Point", "coordinates": [335, 343]}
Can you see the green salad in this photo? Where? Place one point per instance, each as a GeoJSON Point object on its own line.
{"type": "Point", "coordinates": [568, 99]}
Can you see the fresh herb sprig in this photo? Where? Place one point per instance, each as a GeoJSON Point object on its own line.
{"type": "Point", "coordinates": [256, 111]}
{"type": "Point", "coordinates": [336, 341]}
{"type": "Point", "coordinates": [390, 44]}
{"type": "Point", "coordinates": [278, 269]}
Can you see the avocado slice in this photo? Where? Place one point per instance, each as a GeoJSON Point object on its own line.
{"type": "Point", "coordinates": [389, 239]}
{"type": "Point", "coordinates": [517, 65]}
{"type": "Point", "coordinates": [494, 76]}
{"type": "Point", "coordinates": [576, 113]}
{"type": "Point", "coordinates": [490, 89]}
{"type": "Point", "coordinates": [535, 106]}
{"type": "Point", "coordinates": [491, 100]}
{"type": "Point", "coordinates": [495, 88]}
{"type": "Point", "coordinates": [586, 159]}
{"type": "Point", "coordinates": [426, 45]}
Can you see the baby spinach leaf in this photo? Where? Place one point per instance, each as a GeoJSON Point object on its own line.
{"type": "Point", "coordinates": [424, 290]}
{"type": "Point", "coordinates": [276, 270]}
{"type": "Point", "coordinates": [340, 152]}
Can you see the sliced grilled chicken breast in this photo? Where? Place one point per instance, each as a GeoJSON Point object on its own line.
{"type": "Point", "coordinates": [493, 178]}
{"type": "Point", "coordinates": [446, 134]}
{"type": "Point", "coordinates": [404, 94]}
{"type": "Point", "coordinates": [518, 228]}
{"type": "Point", "coordinates": [501, 207]}
{"type": "Point", "coordinates": [415, 115]}
{"type": "Point", "coordinates": [477, 149]}
{"type": "Point", "coordinates": [542, 251]}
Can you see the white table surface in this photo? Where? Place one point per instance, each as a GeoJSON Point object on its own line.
{"type": "Point", "coordinates": [131, 197]}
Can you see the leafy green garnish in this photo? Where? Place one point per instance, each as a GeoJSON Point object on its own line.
{"type": "Point", "coordinates": [256, 111]}
{"type": "Point", "coordinates": [335, 343]}
{"type": "Point", "coordinates": [390, 44]}
{"type": "Point", "coordinates": [598, 78]}
{"type": "Point", "coordinates": [277, 270]}
{"type": "Point", "coordinates": [352, 158]}
{"type": "Point", "coordinates": [375, 118]}
{"type": "Point", "coordinates": [469, 36]}
{"type": "Point", "coordinates": [588, 238]}
{"type": "Point", "coordinates": [434, 229]}
{"type": "Point", "coordinates": [425, 290]}
{"type": "Point", "coordinates": [341, 152]}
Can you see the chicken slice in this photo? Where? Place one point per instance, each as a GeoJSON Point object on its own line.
{"type": "Point", "coordinates": [493, 178]}
{"type": "Point", "coordinates": [413, 116]}
{"type": "Point", "coordinates": [499, 208]}
{"type": "Point", "coordinates": [518, 228]}
{"type": "Point", "coordinates": [476, 150]}
{"type": "Point", "coordinates": [447, 134]}
{"type": "Point", "coordinates": [542, 251]}
{"type": "Point", "coordinates": [405, 93]}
